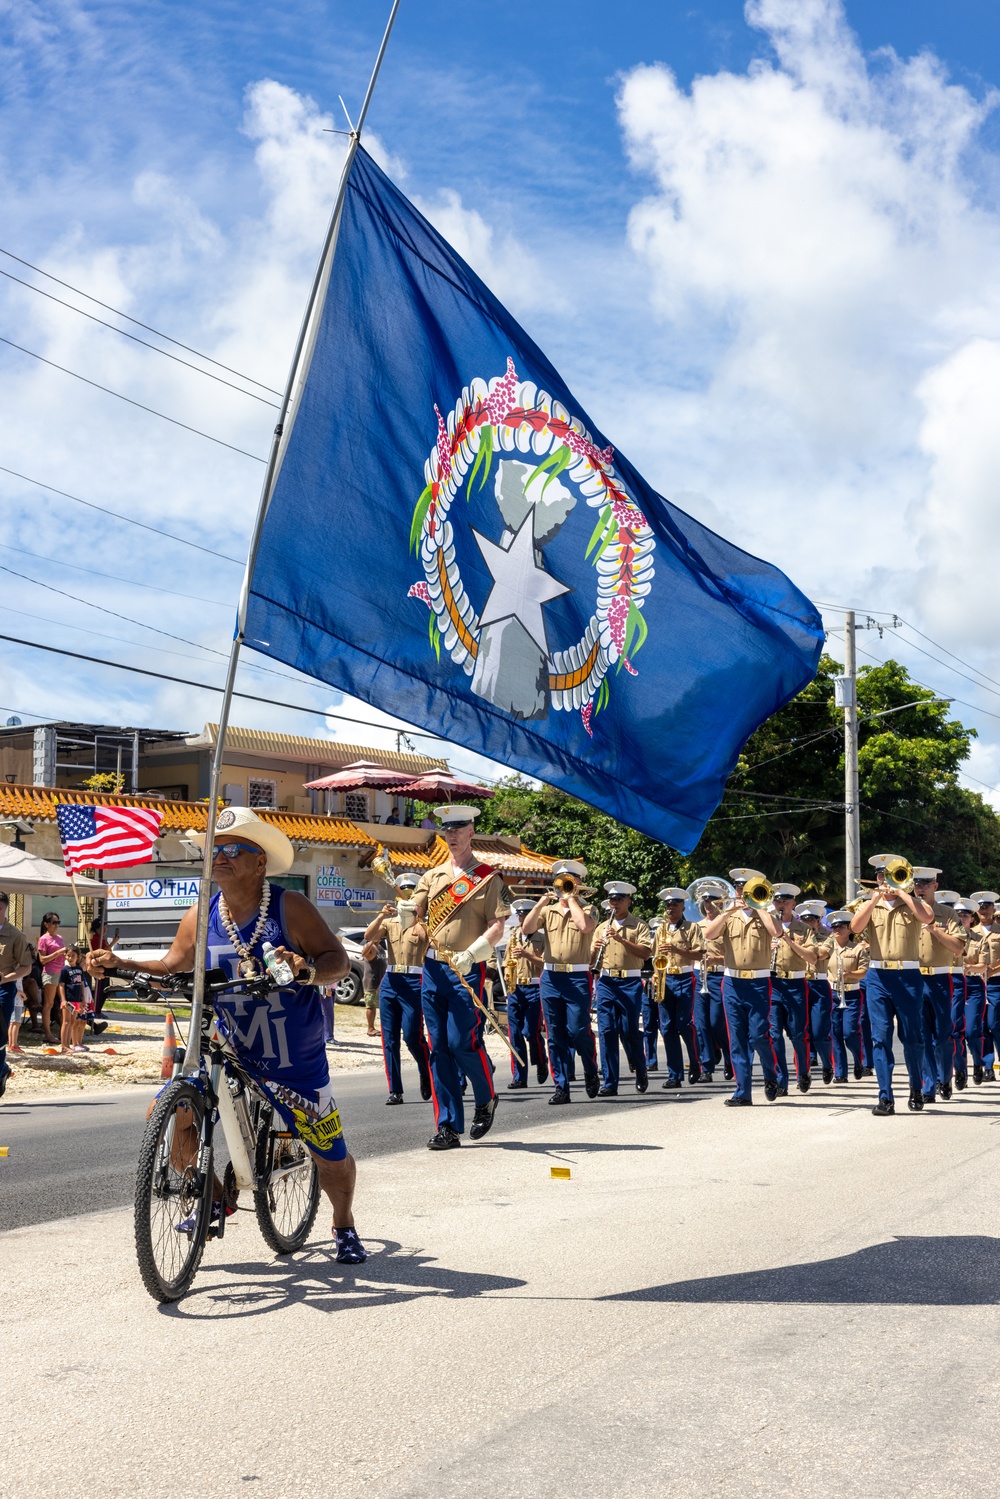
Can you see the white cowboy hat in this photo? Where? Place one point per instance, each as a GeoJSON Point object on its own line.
{"type": "Point", "coordinates": [242, 824]}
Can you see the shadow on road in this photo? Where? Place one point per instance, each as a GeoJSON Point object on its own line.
{"type": "Point", "coordinates": [579, 1147]}
{"type": "Point", "coordinates": [953, 1270]}
{"type": "Point", "coordinates": [391, 1275]}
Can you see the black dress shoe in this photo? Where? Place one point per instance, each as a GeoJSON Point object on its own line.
{"type": "Point", "coordinates": [828, 1074]}
{"type": "Point", "coordinates": [542, 1072]}
{"type": "Point", "coordinates": [694, 1076]}
{"type": "Point", "coordinates": [513, 1086]}
{"type": "Point", "coordinates": [394, 1098]}
{"type": "Point", "coordinates": [672, 1082]}
{"type": "Point", "coordinates": [915, 1102]}
{"type": "Point", "coordinates": [945, 1092]}
{"type": "Point", "coordinates": [482, 1119]}
{"type": "Point", "coordinates": [869, 1071]}
{"type": "Point", "coordinates": [805, 1083]}
{"type": "Point", "coordinates": [738, 1103]}
{"type": "Point", "coordinates": [977, 1074]}
{"type": "Point", "coordinates": [97, 1026]}
{"type": "Point", "coordinates": [606, 1092]}
{"type": "Point", "coordinates": [728, 1074]}
{"type": "Point", "coordinates": [859, 1072]}
{"type": "Point", "coordinates": [592, 1084]}
{"type": "Point", "coordinates": [840, 1080]}
{"type": "Point", "coordinates": [771, 1091]}
{"type": "Point", "coordinates": [425, 1087]}
{"type": "Point", "coordinates": [781, 1092]}
{"type": "Point", "coordinates": [561, 1095]}
{"type": "Point", "coordinates": [960, 1081]}
{"type": "Point", "coordinates": [707, 1077]}
{"type": "Point", "coordinates": [884, 1107]}
{"type": "Point", "coordinates": [641, 1083]}
{"type": "Point", "coordinates": [445, 1139]}
{"type": "Point", "coordinates": [930, 1097]}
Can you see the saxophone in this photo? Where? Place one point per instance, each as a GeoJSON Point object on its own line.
{"type": "Point", "coordinates": [661, 962]}
{"type": "Point", "coordinates": [510, 958]}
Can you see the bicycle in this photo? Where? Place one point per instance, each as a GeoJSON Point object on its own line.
{"type": "Point", "coordinates": [175, 1186]}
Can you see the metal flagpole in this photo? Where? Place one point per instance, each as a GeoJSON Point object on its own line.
{"type": "Point", "coordinates": [313, 308]}
{"type": "Point", "coordinates": [852, 812]}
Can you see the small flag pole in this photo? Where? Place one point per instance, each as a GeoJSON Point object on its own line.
{"type": "Point", "coordinates": [301, 359]}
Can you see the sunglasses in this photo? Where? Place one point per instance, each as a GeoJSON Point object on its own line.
{"type": "Point", "coordinates": [454, 827]}
{"type": "Point", "coordinates": [233, 850]}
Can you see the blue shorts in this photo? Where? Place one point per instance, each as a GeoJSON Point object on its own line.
{"type": "Point", "coordinates": [311, 1115]}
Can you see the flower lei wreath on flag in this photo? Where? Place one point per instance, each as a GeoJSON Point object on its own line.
{"type": "Point", "coordinates": [516, 417]}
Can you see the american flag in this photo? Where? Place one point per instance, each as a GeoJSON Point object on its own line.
{"type": "Point", "coordinates": [106, 837]}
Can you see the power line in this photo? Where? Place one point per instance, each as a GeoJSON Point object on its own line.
{"type": "Point", "coordinates": [961, 701]}
{"type": "Point", "coordinates": [136, 339]}
{"type": "Point", "coordinates": [118, 313]}
{"type": "Point", "coordinates": [161, 676]}
{"type": "Point", "coordinates": [914, 647]}
{"type": "Point", "coordinates": [128, 399]}
{"type": "Point", "coordinates": [116, 515]}
{"type": "Point", "coordinates": [116, 578]}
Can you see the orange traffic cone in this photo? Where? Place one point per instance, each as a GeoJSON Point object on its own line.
{"type": "Point", "coordinates": [169, 1046]}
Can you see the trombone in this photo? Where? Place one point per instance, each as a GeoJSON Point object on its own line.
{"type": "Point", "coordinates": [758, 893]}
{"type": "Point", "coordinates": [899, 874]}
{"type": "Point", "coordinates": [568, 884]}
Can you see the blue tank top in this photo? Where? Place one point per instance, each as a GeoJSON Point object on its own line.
{"type": "Point", "coordinates": [280, 1036]}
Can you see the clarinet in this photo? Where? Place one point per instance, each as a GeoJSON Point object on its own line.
{"type": "Point", "coordinates": [598, 962]}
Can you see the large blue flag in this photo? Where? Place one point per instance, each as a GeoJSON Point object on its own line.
{"type": "Point", "coordinates": [452, 540]}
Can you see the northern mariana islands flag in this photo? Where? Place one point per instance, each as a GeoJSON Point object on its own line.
{"type": "Point", "coordinates": [451, 539]}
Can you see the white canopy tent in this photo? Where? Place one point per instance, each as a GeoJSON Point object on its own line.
{"type": "Point", "coordinates": [22, 873]}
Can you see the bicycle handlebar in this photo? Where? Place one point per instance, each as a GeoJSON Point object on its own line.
{"type": "Point", "coordinates": [217, 981]}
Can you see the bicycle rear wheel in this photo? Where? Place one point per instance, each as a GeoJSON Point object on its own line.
{"type": "Point", "coordinates": [173, 1200]}
{"type": "Point", "coordinates": [287, 1199]}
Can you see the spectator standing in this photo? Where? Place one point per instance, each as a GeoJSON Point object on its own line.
{"type": "Point", "coordinates": [52, 956]}
{"type": "Point", "coordinates": [428, 822]}
{"type": "Point", "coordinates": [77, 1001]}
{"type": "Point", "coordinates": [15, 962]}
{"type": "Point", "coordinates": [14, 1046]}
{"type": "Point", "coordinates": [373, 973]}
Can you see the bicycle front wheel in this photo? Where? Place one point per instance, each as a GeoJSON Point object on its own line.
{"type": "Point", "coordinates": [287, 1198]}
{"type": "Point", "coordinates": [173, 1200]}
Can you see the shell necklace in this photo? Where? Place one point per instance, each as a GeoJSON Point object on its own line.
{"type": "Point", "coordinates": [248, 967]}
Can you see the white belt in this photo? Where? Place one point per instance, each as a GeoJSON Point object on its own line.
{"type": "Point", "coordinates": [746, 973]}
{"type": "Point", "coordinates": [568, 967]}
{"type": "Point", "coordinates": [404, 968]}
{"type": "Point", "coordinates": [948, 969]}
{"type": "Point", "coordinates": [893, 963]}
{"type": "Point", "coordinates": [670, 970]}
{"type": "Point", "coordinates": [621, 973]}
{"type": "Point", "coordinates": [525, 982]}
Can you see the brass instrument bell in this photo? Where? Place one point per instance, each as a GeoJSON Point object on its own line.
{"type": "Point", "coordinates": [758, 892]}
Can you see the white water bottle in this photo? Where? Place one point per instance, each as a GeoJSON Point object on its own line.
{"type": "Point", "coordinates": [276, 967]}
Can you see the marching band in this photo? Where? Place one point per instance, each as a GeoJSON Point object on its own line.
{"type": "Point", "coordinates": [729, 972]}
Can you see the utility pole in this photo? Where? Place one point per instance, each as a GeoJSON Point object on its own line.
{"type": "Point", "coordinates": [847, 698]}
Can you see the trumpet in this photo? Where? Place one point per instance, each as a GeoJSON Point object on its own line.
{"type": "Point", "coordinates": [899, 874]}
{"type": "Point", "coordinates": [758, 893]}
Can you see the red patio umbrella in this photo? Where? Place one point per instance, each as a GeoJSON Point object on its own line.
{"type": "Point", "coordinates": [359, 776]}
{"type": "Point", "coordinates": [442, 786]}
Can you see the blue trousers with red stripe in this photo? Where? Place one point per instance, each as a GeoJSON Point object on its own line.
{"type": "Point", "coordinates": [748, 1016]}
{"type": "Point", "coordinates": [975, 1017]}
{"type": "Point", "coordinates": [939, 1045]}
{"type": "Point", "coordinates": [455, 1035]}
{"type": "Point", "coordinates": [619, 1002]}
{"type": "Point", "coordinates": [677, 1025]}
{"type": "Point", "coordinates": [566, 1006]}
{"type": "Point", "coordinates": [789, 1013]}
{"type": "Point", "coordinates": [819, 1001]}
{"type": "Point", "coordinates": [958, 997]}
{"type": "Point", "coordinates": [524, 1023]}
{"type": "Point", "coordinates": [710, 1023]}
{"type": "Point", "coordinates": [401, 1018]}
{"type": "Point", "coordinates": [896, 994]}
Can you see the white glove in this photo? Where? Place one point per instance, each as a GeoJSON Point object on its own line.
{"type": "Point", "coordinates": [479, 951]}
{"type": "Point", "coordinates": [406, 910]}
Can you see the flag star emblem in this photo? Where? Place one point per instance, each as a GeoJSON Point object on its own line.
{"type": "Point", "coordinates": [520, 586]}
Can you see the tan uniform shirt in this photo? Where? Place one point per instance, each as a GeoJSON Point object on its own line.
{"type": "Point", "coordinates": [14, 951]}
{"type": "Point", "coordinates": [984, 946]}
{"type": "Point", "coordinates": [788, 964]}
{"type": "Point", "coordinates": [684, 944]}
{"type": "Point", "coordinates": [933, 953]}
{"type": "Point", "coordinates": [893, 934]}
{"type": "Point", "coordinates": [490, 903]}
{"type": "Point", "coordinates": [746, 941]}
{"type": "Point", "coordinates": [713, 954]}
{"type": "Point", "coordinates": [616, 956]}
{"type": "Point", "coordinates": [852, 959]}
{"type": "Point", "coordinates": [526, 970]}
{"type": "Point", "coordinates": [403, 948]}
{"type": "Point", "coordinates": [564, 943]}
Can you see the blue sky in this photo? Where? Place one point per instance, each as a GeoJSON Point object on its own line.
{"type": "Point", "coordinates": [761, 248]}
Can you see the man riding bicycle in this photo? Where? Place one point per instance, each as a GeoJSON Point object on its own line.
{"type": "Point", "coordinates": [278, 1036]}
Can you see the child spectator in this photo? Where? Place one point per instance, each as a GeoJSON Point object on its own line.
{"type": "Point", "coordinates": [52, 957]}
{"type": "Point", "coordinates": [14, 1029]}
{"type": "Point", "coordinates": [77, 1002]}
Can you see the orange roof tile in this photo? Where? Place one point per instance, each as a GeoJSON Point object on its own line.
{"type": "Point", "coordinates": [493, 851]}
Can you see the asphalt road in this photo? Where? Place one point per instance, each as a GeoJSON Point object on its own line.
{"type": "Point", "coordinates": [71, 1155]}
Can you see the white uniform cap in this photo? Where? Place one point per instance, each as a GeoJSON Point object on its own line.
{"type": "Point", "coordinates": [241, 821]}
{"type": "Point", "coordinates": [879, 861]}
{"type": "Point", "coordinates": [789, 890]}
{"type": "Point", "coordinates": [813, 907]}
{"type": "Point", "coordinates": [671, 892]}
{"type": "Point", "coordinates": [840, 918]}
{"type": "Point", "coordinates": [947, 897]}
{"type": "Point", "coordinates": [619, 887]}
{"type": "Point", "coordinates": [406, 881]}
{"type": "Point", "coordinates": [925, 872]}
{"type": "Point", "coordinates": [570, 866]}
{"type": "Point", "coordinates": [451, 814]}
{"type": "Point", "coordinates": [740, 876]}
{"type": "Point", "coordinates": [965, 905]}
{"type": "Point", "coordinates": [606, 906]}
{"type": "Point", "coordinates": [984, 897]}
{"type": "Point", "coordinates": [523, 905]}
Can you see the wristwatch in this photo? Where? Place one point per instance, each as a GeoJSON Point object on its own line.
{"type": "Point", "coordinates": [306, 975]}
